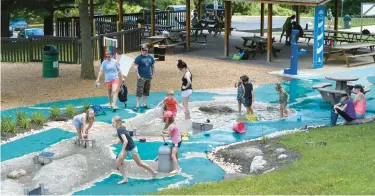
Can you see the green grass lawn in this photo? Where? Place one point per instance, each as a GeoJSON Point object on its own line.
{"type": "Point", "coordinates": [346, 165]}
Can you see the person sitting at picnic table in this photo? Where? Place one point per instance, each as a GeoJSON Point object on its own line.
{"type": "Point", "coordinates": [197, 24]}
{"type": "Point", "coordinates": [298, 27]}
{"type": "Point", "coordinates": [359, 101]}
{"type": "Point", "coordinates": [219, 23]}
{"type": "Point", "coordinates": [287, 27]}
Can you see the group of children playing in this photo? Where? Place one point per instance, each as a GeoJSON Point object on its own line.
{"type": "Point", "coordinates": [245, 96]}
{"type": "Point", "coordinates": [83, 122]}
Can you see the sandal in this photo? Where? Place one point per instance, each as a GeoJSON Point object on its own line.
{"type": "Point", "coordinates": [146, 107]}
{"type": "Point", "coordinates": [135, 108]}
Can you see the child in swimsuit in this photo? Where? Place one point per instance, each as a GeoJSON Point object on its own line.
{"type": "Point", "coordinates": [283, 100]}
{"type": "Point", "coordinates": [174, 133]}
{"type": "Point", "coordinates": [240, 93]}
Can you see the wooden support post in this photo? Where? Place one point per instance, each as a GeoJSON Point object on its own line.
{"type": "Point", "coordinates": [336, 26]}
{"type": "Point", "coordinates": [73, 28]}
{"type": "Point", "coordinates": [230, 17]}
{"type": "Point", "coordinates": [120, 10]}
{"type": "Point", "coordinates": [227, 18]}
{"type": "Point", "coordinates": [298, 14]}
{"type": "Point", "coordinates": [57, 33]}
{"type": "Point", "coordinates": [269, 34]}
{"type": "Point", "coordinates": [118, 26]}
{"type": "Point", "coordinates": [169, 18]}
{"type": "Point", "coordinates": [91, 11]}
{"type": "Point", "coordinates": [152, 18]}
{"type": "Point", "coordinates": [200, 9]}
{"type": "Point", "coordinates": [94, 28]}
{"type": "Point", "coordinates": [188, 25]}
{"type": "Point", "coordinates": [262, 19]}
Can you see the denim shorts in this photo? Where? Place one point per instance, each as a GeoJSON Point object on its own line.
{"type": "Point", "coordinates": [77, 123]}
{"type": "Point", "coordinates": [131, 152]}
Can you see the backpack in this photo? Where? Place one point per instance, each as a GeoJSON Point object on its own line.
{"type": "Point", "coordinates": [98, 110]}
{"type": "Point", "coordinates": [123, 93]}
{"type": "Point", "coordinates": [365, 32]}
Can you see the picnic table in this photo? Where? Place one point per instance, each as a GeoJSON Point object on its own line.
{"type": "Point", "coordinates": [257, 45]}
{"type": "Point", "coordinates": [349, 51]}
{"type": "Point", "coordinates": [159, 27]}
{"type": "Point", "coordinates": [174, 39]}
{"type": "Point", "coordinates": [341, 36]}
{"type": "Point", "coordinates": [342, 82]}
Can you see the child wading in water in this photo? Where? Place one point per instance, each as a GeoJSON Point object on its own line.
{"type": "Point", "coordinates": [128, 147]}
{"type": "Point", "coordinates": [283, 100]}
{"type": "Point", "coordinates": [170, 104]}
{"type": "Point", "coordinates": [174, 133]}
{"type": "Point", "coordinates": [240, 94]}
{"type": "Point", "coordinates": [248, 94]}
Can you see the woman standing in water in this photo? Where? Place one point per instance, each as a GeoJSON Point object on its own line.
{"type": "Point", "coordinates": [186, 87]}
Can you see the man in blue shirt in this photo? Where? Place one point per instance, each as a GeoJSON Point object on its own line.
{"type": "Point", "coordinates": [144, 68]}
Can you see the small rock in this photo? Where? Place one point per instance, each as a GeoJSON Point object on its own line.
{"type": "Point", "coordinates": [267, 146]}
{"type": "Point", "coordinates": [13, 174]}
{"type": "Point", "coordinates": [282, 156]}
{"type": "Point", "coordinates": [270, 170]}
{"type": "Point", "coordinates": [280, 150]}
{"type": "Point", "coordinates": [257, 165]}
{"type": "Point", "coordinates": [22, 172]}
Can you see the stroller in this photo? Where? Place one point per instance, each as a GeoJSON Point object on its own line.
{"type": "Point", "coordinates": [123, 93]}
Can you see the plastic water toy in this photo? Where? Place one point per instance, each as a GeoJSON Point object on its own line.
{"type": "Point", "coordinates": [185, 136]}
{"type": "Point", "coordinates": [239, 127]}
{"type": "Point", "coordinates": [206, 134]}
{"type": "Point", "coordinates": [252, 117]}
{"type": "Point", "coordinates": [42, 157]}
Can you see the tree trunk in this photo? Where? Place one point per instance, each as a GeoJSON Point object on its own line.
{"type": "Point", "coordinates": [87, 61]}
{"type": "Point", "coordinates": [48, 23]}
{"type": "Point", "coordinates": [4, 21]}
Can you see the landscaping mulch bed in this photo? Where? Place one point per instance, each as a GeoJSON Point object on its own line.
{"type": "Point", "coordinates": [22, 84]}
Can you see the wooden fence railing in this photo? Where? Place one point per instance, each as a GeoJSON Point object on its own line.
{"type": "Point", "coordinates": [70, 26]}
{"type": "Point", "coordinates": [70, 48]}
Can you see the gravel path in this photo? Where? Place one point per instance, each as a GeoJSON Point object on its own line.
{"type": "Point", "coordinates": [22, 84]}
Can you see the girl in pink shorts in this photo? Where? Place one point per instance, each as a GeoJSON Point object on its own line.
{"type": "Point", "coordinates": [174, 133]}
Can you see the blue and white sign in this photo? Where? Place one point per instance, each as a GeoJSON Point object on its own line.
{"type": "Point", "coordinates": [319, 36]}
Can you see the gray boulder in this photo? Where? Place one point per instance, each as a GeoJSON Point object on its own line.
{"type": "Point", "coordinates": [62, 175]}
{"type": "Point", "coordinates": [15, 174]}
{"type": "Point", "coordinates": [280, 150]}
{"type": "Point", "coordinates": [360, 121]}
{"type": "Point", "coordinates": [216, 109]}
{"type": "Point", "coordinates": [282, 156]}
{"type": "Point", "coordinates": [257, 165]}
{"type": "Point", "coordinates": [11, 187]}
{"type": "Point", "coordinates": [248, 152]}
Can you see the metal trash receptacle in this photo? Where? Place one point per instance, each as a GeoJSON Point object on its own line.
{"type": "Point", "coordinates": [50, 61]}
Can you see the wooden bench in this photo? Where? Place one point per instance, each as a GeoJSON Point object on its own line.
{"type": "Point", "coordinates": [351, 57]}
{"type": "Point", "coordinates": [321, 85]}
{"type": "Point", "coordinates": [170, 46]}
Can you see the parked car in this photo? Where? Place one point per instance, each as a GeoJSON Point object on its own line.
{"type": "Point", "coordinates": [177, 11]}
{"type": "Point", "coordinates": [147, 12]}
{"type": "Point", "coordinates": [32, 31]}
{"type": "Point", "coordinates": [18, 24]}
{"type": "Point", "coordinates": [209, 10]}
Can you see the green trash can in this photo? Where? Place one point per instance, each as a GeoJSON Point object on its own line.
{"type": "Point", "coordinates": [50, 61]}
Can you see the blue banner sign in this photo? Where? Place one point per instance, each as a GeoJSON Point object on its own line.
{"type": "Point", "coordinates": [319, 37]}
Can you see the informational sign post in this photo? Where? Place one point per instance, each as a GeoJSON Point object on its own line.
{"type": "Point", "coordinates": [319, 36]}
{"type": "Point", "coordinates": [367, 9]}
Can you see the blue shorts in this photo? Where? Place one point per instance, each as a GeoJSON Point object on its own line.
{"type": "Point", "coordinates": [176, 145]}
{"type": "Point", "coordinates": [359, 116]}
{"type": "Point", "coordinates": [77, 123]}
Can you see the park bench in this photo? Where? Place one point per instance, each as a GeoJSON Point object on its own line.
{"type": "Point", "coordinates": [351, 57]}
{"type": "Point", "coordinates": [37, 191]}
{"type": "Point", "coordinates": [86, 141]}
{"type": "Point", "coordinates": [42, 157]}
{"type": "Point", "coordinates": [321, 85]}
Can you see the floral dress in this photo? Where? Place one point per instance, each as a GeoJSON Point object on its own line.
{"type": "Point", "coordinates": [240, 93]}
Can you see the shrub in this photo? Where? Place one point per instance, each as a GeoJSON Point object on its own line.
{"type": "Point", "coordinates": [8, 125]}
{"type": "Point", "coordinates": [86, 106]}
{"type": "Point", "coordinates": [21, 116]}
{"type": "Point", "coordinates": [25, 124]}
{"type": "Point", "coordinates": [55, 111]}
{"type": "Point", "coordinates": [38, 118]}
{"type": "Point", "coordinates": [70, 110]}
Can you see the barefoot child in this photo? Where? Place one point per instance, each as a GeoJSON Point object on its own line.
{"type": "Point", "coordinates": [248, 94]}
{"type": "Point", "coordinates": [240, 93]}
{"type": "Point", "coordinates": [174, 133]}
{"type": "Point", "coordinates": [170, 103]}
{"type": "Point", "coordinates": [83, 123]}
{"type": "Point", "coordinates": [283, 100]}
{"type": "Point", "coordinates": [128, 147]}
